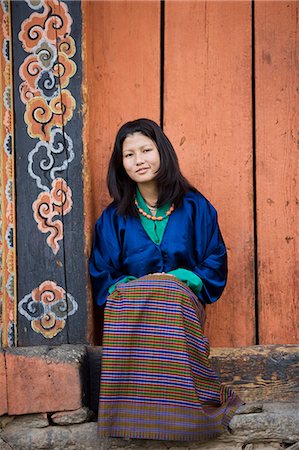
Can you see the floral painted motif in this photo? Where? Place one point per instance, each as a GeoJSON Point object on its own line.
{"type": "Point", "coordinates": [65, 69]}
{"type": "Point", "coordinates": [42, 116]}
{"type": "Point", "coordinates": [46, 54]}
{"type": "Point", "coordinates": [35, 4]}
{"type": "Point", "coordinates": [45, 74]}
{"type": "Point", "coordinates": [47, 308]}
{"type": "Point", "coordinates": [57, 202]}
{"type": "Point", "coordinates": [49, 159]}
{"type": "Point", "coordinates": [40, 35]}
{"type": "Point", "coordinates": [26, 92]}
{"type": "Point", "coordinates": [54, 22]}
{"type": "Point", "coordinates": [67, 46]}
{"type": "Point", "coordinates": [30, 70]}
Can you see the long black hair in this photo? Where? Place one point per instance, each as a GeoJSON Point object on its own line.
{"type": "Point", "coordinates": [172, 185]}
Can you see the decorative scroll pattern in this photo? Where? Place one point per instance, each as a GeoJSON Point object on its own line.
{"type": "Point", "coordinates": [42, 116]}
{"type": "Point", "coordinates": [50, 204]}
{"type": "Point", "coordinates": [47, 308]}
{"type": "Point", "coordinates": [49, 105]}
{"type": "Point", "coordinates": [46, 72]}
{"type": "Point", "coordinates": [7, 204]}
{"type": "Point", "coordinates": [49, 158]}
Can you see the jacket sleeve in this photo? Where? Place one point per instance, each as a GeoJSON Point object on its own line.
{"type": "Point", "coordinates": [105, 266]}
{"type": "Point", "coordinates": [189, 278]}
{"type": "Point", "coordinates": [211, 255]}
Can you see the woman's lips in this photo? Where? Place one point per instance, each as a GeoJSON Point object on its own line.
{"type": "Point", "coordinates": [141, 171]}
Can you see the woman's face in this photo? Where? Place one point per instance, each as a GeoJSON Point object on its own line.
{"type": "Point", "coordinates": [141, 158]}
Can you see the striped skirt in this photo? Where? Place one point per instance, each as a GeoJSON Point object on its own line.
{"type": "Point", "coordinates": [156, 379]}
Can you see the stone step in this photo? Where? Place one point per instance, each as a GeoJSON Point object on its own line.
{"type": "Point", "coordinates": [65, 377]}
{"type": "Point", "coordinates": [49, 399]}
{"type": "Point", "coordinates": [256, 426]}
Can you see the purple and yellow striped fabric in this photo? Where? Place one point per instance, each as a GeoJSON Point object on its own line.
{"type": "Point", "coordinates": [156, 379]}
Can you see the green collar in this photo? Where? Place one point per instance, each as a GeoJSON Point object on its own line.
{"type": "Point", "coordinates": [154, 228]}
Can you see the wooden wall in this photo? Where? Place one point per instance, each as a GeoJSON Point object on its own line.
{"type": "Point", "coordinates": [277, 145]}
{"type": "Point", "coordinates": [221, 76]}
{"type": "Point", "coordinates": [208, 118]}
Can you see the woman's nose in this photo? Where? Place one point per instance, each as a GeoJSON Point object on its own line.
{"type": "Point", "coordinates": [139, 159]}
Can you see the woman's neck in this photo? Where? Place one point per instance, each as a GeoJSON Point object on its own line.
{"type": "Point", "coordinates": [149, 192]}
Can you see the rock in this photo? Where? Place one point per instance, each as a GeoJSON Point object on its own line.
{"type": "Point", "coordinates": [179, 448]}
{"type": "Point", "coordinates": [71, 417]}
{"type": "Point", "coordinates": [272, 429]}
{"type": "Point", "coordinates": [270, 446]}
{"type": "Point", "coordinates": [177, 444]}
{"type": "Point", "coordinates": [294, 446]}
{"type": "Point", "coordinates": [278, 422]}
{"type": "Point", "coordinates": [30, 421]}
{"type": "Point", "coordinates": [132, 444]}
{"type": "Point", "coordinates": [4, 420]}
{"type": "Point", "coordinates": [215, 445]}
{"type": "Point", "coordinates": [4, 445]}
{"type": "Point", "coordinates": [79, 437]}
{"type": "Point", "coordinates": [250, 408]}
{"type": "Point", "coordinates": [155, 445]}
{"type": "Point", "coordinates": [86, 435]}
{"type": "Point", "coordinates": [38, 438]}
{"type": "Point", "coordinates": [267, 446]}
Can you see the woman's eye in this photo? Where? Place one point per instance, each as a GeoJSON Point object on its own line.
{"type": "Point", "coordinates": [127, 155]}
{"type": "Point", "coordinates": [147, 149]}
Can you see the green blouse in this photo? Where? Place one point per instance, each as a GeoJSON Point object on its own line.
{"type": "Point", "coordinates": [155, 230]}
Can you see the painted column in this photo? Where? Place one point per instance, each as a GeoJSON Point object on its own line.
{"type": "Point", "coordinates": [49, 190]}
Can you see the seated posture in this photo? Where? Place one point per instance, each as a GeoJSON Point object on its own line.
{"type": "Point", "coordinates": [158, 257]}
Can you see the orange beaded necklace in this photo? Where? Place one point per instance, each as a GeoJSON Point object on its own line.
{"type": "Point", "coordinates": [149, 216]}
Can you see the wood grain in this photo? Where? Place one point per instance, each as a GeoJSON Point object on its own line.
{"type": "Point", "coordinates": [122, 61]}
{"type": "Point", "coordinates": [260, 373]}
{"type": "Point", "coordinates": [276, 30]}
{"type": "Point", "coordinates": [121, 69]}
{"type": "Point", "coordinates": [208, 117]}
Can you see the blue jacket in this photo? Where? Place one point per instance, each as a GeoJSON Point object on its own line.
{"type": "Point", "coordinates": [192, 240]}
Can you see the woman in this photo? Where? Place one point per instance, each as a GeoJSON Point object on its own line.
{"type": "Point", "coordinates": [158, 257]}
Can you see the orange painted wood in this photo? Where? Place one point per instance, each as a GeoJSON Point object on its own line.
{"type": "Point", "coordinates": [3, 384]}
{"type": "Point", "coordinates": [277, 113]}
{"type": "Point", "coordinates": [122, 64]}
{"type": "Point", "coordinates": [121, 71]}
{"type": "Point", "coordinates": [208, 117]}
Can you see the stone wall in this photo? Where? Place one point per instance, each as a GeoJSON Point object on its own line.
{"type": "Point", "coordinates": [48, 400]}
{"type": "Point", "coordinates": [258, 426]}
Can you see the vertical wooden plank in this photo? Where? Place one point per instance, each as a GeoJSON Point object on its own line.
{"type": "Point", "coordinates": [208, 117]}
{"type": "Point", "coordinates": [122, 76]}
{"type": "Point", "coordinates": [276, 32]}
{"type": "Point", "coordinates": [121, 82]}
